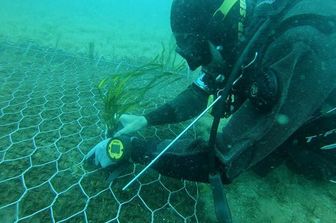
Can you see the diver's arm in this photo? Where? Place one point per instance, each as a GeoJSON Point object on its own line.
{"type": "Point", "coordinates": [186, 105]}
{"type": "Point", "coordinates": [187, 159]}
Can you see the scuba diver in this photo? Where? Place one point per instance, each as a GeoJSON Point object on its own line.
{"type": "Point", "coordinates": [273, 66]}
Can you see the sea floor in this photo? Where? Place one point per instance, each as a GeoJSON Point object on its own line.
{"type": "Point", "coordinates": [49, 120]}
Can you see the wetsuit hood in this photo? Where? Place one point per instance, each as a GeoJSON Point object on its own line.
{"type": "Point", "coordinates": [195, 23]}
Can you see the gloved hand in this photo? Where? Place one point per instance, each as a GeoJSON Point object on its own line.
{"type": "Point", "coordinates": [100, 154]}
{"type": "Point", "coordinates": [131, 123]}
{"type": "Point", "coordinates": [119, 148]}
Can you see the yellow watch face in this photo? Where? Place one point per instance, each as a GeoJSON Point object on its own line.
{"type": "Point", "coordinates": [115, 149]}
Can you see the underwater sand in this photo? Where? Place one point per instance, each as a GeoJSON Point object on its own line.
{"type": "Point", "coordinates": [49, 119]}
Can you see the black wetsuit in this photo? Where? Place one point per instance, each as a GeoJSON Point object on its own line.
{"type": "Point", "coordinates": [302, 60]}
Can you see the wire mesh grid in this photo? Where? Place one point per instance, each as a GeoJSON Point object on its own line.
{"type": "Point", "coordinates": [49, 120]}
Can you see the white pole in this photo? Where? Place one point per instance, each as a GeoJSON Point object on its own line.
{"type": "Point", "coordinates": [172, 143]}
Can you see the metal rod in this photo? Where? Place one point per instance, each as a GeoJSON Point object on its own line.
{"type": "Point", "coordinates": [329, 147]}
{"type": "Point", "coordinates": [172, 142]}
{"type": "Point", "coordinates": [332, 110]}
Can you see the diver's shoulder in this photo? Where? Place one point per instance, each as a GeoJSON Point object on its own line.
{"type": "Point", "coordinates": [317, 7]}
{"type": "Point", "coordinates": [301, 25]}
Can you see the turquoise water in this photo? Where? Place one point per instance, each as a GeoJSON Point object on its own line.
{"type": "Point", "coordinates": [116, 27]}
{"type": "Point", "coordinates": [50, 117]}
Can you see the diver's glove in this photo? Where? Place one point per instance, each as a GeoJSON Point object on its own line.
{"type": "Point", "coordinates": [111, 151]}
{"type": "Point", "coordinates": [130, 124]}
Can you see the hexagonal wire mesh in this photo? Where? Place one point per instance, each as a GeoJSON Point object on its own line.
{"type": "Point", "coordinates": [49, 119]}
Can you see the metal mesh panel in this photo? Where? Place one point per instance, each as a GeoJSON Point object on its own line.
{"type": "Point", "coordinates": [49, 120]}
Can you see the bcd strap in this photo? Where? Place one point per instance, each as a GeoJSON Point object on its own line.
{"type": "Point", "coordinates": [325, 24]}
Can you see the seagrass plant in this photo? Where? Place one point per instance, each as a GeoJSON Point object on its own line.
{"type": "Point", "coordinates": [123, 92]}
